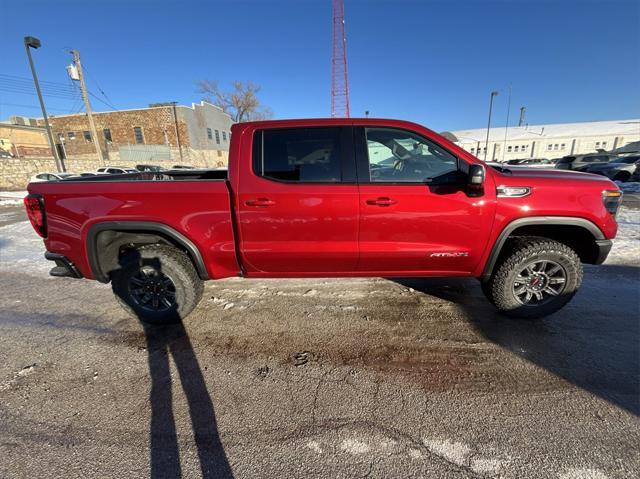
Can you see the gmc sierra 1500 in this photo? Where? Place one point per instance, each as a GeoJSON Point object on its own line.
{"type": "Point", "coordinates": [329, 197]}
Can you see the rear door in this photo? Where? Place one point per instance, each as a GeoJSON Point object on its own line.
{"type": "Point", "coordinates": [298, 202]}
{"type": "Point", "coordinates": [416, 215]}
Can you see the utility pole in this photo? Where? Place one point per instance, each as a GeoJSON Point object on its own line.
{"type": "Point", "coordinates": [32, 42]}
{"type": "Point", "coordinates": [175, 121]}
{"type": "Point", "coordinates": [87, 104]}
{"type": "Point", "coordinates": [486, 145]}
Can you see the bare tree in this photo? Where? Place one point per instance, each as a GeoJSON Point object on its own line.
{"type": "Point", "coordinates": [241, 102]}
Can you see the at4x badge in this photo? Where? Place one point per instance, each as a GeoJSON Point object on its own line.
{"type": "Point", "coordinates": [452, 254]}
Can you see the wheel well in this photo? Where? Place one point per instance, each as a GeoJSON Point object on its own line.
{"type": "Point", "coordinates": [622, 175]}
{"type": "Point", "coordinates": [577, 238]}
{"type": "Point", "coordinates": [106, 247]}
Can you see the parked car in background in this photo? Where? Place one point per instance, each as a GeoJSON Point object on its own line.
{"type": "Point", "coordinates": [622, 168]}
{"type": "Point", "coordinates": [182, 167]}
{"type": "Point", "coordinates": [84, 174]}
{"type": "Point", "coordinates": [115, 170]}
{"type": "Point", "coordinates": [582, 162]}
{"type": "Point", "coordinates": [150, 168]}
{"type": "Point", "coordinates": [50, 177]}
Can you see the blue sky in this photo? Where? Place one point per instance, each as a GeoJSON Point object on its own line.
{"type": "Point", "coordinates": [433, 62]}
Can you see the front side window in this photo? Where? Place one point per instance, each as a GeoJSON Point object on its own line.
{"type": "Point", "coordinates": [305, 155]}
{"type": "Point", "coordinates": [403, 156]}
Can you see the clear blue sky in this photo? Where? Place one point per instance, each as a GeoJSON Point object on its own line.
{"type": "Point", "coordinates": [433, 62]}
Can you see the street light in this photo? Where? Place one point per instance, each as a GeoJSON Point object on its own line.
{"type": "Point", "coordinates": [32, 42]}
{"type": "Point", "coordinates": [486, 144]}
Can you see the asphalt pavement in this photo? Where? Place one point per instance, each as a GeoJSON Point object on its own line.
{"type": "Point", "coordinates": [319, 378]}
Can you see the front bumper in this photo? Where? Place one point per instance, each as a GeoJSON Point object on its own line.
{"type": "Point", "coordinates": [604, 247]}
{"type": "Point", "coordinates": [64, 268]}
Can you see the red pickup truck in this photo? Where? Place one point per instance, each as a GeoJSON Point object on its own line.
{"type": "Point", "coordinates": [329, 197]}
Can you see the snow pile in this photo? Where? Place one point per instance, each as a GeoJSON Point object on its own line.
{"type": "Point", "coordinates": [629, 187]}
{"type": "Point", "coordinates": [10, 198]}
{"type": "Point", "coordinates": [22, 250]}
{"type": "Point", "coordinates": [626, 246]}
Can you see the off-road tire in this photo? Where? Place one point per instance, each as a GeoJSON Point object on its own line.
{"type": "Point", "coordinates": [520, 252]}
{"type": "Point", "coordinates": [169, 262]}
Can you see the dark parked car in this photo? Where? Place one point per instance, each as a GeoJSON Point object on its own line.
{"type": "Point", "coordinates": [582, 162]}
{"type": "Point", "coordinates": [619, 169]}
{"type": "Point", "coordinates": [150, 168]}
{"type": "Point", "coordinates": [182, 167]}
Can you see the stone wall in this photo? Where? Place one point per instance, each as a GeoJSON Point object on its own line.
{"type": "Point", "coordinates": [16, 172]}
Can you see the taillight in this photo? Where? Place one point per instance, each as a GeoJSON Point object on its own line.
{"type": "Point", "coordinates": [35, 212]}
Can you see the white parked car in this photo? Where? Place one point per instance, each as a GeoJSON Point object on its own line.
{"type": "Point", "coordinates": [40, 177]}
{"type": "Point", "coordinates": [115, 170]}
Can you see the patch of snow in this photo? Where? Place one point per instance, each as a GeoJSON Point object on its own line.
{"type": "Point", "coordinates": [314, 446]}
{"type": "Point", "coordinates": [626, 245]}
{"type": "Point", "coordinates": [10, 198]}
{"type": "Point", "coordinates": [354, 446]}
{"type": "Point", "coordinates": [629, 186]}
{"type": "Point", "coordinates": [21, 249]}
{"type": "Point", "coordinates": [583, 473]}
{"type": "Point", "coordinates": [455, 452]}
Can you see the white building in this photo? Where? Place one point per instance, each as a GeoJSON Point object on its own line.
{"type": "Point", "coordinates": [547, 141]}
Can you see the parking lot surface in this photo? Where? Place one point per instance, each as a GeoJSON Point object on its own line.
{"type": "Point", "coordinates": [317, 378]}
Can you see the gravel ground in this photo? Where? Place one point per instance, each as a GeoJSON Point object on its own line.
{"type": "Point", "coordinates": [318, 378]}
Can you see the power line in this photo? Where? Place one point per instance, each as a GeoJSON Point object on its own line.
{"type": "Point", "coordinates": [22, 105]}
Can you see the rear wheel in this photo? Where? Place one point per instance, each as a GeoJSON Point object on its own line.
{"type": "Point", "coordinates": [534, 278]}
{"type": "Point", "coordinates": [622, 176]}
{"type": "Point", "coordinates": [157, 284]}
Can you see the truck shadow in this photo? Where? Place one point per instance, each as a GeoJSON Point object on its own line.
{"type": "Point", "coordinates": [172, 342]}
{"type": "Point", "coordinates": [594, 342]}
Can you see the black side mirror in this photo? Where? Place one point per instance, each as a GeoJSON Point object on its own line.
{"type": "Point", "coordinates": [476, 175]}
{"type": "Point", "coordinates": [475, 180]}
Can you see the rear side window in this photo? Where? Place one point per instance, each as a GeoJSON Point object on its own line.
{"type": "Point", "coordinates": [305, 155]}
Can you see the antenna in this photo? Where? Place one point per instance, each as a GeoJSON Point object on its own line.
{"type": "Point", "coordinates": [339, 82]}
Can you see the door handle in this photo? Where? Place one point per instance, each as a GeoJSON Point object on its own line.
{"type": "Point", "coordinates": [260, 202]}
{"type": "Point", "coordinates": [382, 201]}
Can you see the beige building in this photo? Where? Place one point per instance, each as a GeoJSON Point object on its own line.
{"type": "Point", "coordinates": [21, 138]}
{"type": "Point", "coordinates": [547, 141]}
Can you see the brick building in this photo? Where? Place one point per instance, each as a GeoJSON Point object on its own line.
{"type": "Point", "coordinates": [22, 137]}
{"type": "Point", "coordinates": [197, 135]}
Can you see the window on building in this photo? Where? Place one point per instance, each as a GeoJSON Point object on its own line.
{"type": "Point", "coordinates": [524, 147]}
{"type": "Point", "coordinates": [597, 144]}
{"type": "Point", "coordinates": [604, 144]}
{"type": "Point", "coordinates": [473, 150]}
{"type": "Point", "coordinates": [87, 135]}
{"type": "Point", "coordinates": [224, 136]}
{"type": "Point", "coordinates": [555, 147]}
{"type": "Point", "coordinates": [107, 134]}
{"type": "Point", "coordinates": [509, 149]}
{"type": "Point", "coordinates": [549, 147]}
{"type": "Point", "coordinates": [137, 132]}
{"type": "Point", "coordinates": [563, 146]}
{"type": "Point", "coordinates": [72, 135]}
{"type": "Point", "coordinates": [60, 136]}
{"type": "Point", "coordinates": [217, 137]}
{"type": "Point", "coordinates": [300, 154]}
{"type": "Point", "coordinates": [515, 148]}
{"type": "Point", "coordinates": [209, 134]}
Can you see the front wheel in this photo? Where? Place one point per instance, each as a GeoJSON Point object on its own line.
{"type": "Point", "coordinates": [157, 283]}
{"type": "Point", "coordinates": [534, 278]}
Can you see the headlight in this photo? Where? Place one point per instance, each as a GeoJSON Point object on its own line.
{"type": "Point", "coordinates": [612, 200]}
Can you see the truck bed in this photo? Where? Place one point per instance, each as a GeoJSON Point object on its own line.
{"type": "Point", "coordinates": [195, 204]}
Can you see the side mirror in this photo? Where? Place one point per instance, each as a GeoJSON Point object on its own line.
{"type": "Point", "coordinates": [476, 175]}
{"type": "Point", "coordinates": [475, 180]}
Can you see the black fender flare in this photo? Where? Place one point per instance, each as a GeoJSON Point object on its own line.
{"type": "Point", "coordinates": [534, 221]}
{"type": "Point", "coordinates": [140, 227]}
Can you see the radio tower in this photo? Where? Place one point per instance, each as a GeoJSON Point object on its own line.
{"type": "Point", "coordinates": [339, 82]}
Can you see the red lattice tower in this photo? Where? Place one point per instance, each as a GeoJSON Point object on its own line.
{"type": "Point", "coordinates": [339, 82]}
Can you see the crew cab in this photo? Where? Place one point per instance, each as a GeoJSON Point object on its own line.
{"type": "Point", "coordinates": [329, 198]}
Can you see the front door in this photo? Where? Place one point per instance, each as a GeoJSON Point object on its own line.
{"type": "Point", "coordinates": [298, 206]}
{"type": "Point", "coordinates": [416, 215]}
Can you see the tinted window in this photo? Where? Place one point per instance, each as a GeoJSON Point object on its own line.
{"type": "Point", "coordinates": [307, 155]}
{"type": "Point", "coordinates": [628, 160]}
{"type": "Point", "coordinates": [403, 156]}
{"type": "Point", "coordinates": [591, 159]}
